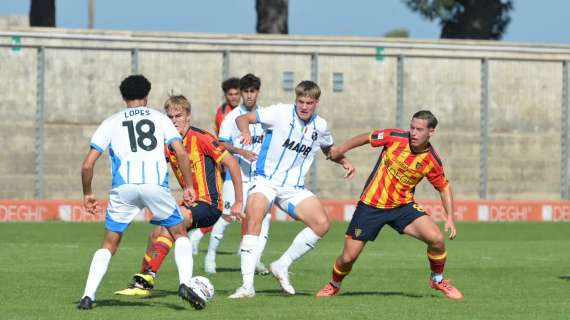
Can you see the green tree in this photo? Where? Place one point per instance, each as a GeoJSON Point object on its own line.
{"type": "Point", "coordinates": [42, 13]}
{"type": "Point", "coordinates": [272, 16]}
{"type": "Point", "coordinates": [466, 19]}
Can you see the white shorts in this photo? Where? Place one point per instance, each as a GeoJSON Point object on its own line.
{"type": "Point", "coordinates": [286, 198]}
{"type": "Point", "coordinates": [228, 194]}
{"type": "Point", "coordinates": [127, 200]}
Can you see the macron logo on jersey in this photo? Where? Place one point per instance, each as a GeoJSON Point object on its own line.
{"type": "Point", "coordinates": [297, 146]}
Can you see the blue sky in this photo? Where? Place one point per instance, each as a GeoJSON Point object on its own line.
{"type": "Point", "coordinates": [532, 21]}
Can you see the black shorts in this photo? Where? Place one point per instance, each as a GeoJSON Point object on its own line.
{"type": "Point", "coordinates": [367, 221]}
{"type": "Point", "coordinates": [203, 214]}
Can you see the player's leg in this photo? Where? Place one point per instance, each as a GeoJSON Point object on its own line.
{"type": "Point", "coordinates": [257, 205]}
{"type": "Point", "coordinates": [124, 205]}
{"type": "Point", "coordinates": [301, 205]}
{"type": "Point", "coordinates": [166, 213]}
{"type": "Point", "coordinates": [260, 268]}
{"type": "Point", "coordinates": [342, 266]}
{"type": "Point", "coordinates": [366, 223]}
{"type": "Point", "coordinates": [423, 228]}
{"type": "Point", "coordinates": [219, 228]}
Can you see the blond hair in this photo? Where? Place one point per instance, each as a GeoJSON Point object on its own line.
{"type": "Point", "coordinates": [177, 101]}
{"type": "Point", "coordinates": [308, 88]}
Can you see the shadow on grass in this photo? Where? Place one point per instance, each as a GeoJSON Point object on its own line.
{"type": "Point", "coordinates": [387, 294]}
{"type": "Point", "coordinates": [228, 270]}
{"type": "Point", "coordinates": [140, 302]}
{"type": "Point", "coordinates": [567, 278]}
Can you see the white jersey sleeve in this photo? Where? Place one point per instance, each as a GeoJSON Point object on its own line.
{"type": "Point", "coordinates": [271, 116]}
{"type": "Point", "coordinates": [229, 133]}
{"type": "Point", "coordinates": [102, 136]}
{"type": "Point", "coordinates": [325, 139]}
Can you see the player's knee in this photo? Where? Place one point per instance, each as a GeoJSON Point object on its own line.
{"type": "Point", "coordinates": [321, 226]}
{"type": "Point", "coordinates": [437, 241]}
{"type": "Point", "coordinates": [348, 258]}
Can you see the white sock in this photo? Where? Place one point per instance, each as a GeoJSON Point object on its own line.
{"type": "Point", "coordinates": [437, 277]}
{"type": "Point", "coordinates": [217, 236]}
{"type": "Point", "coordinates": [249, 257]}
{"type": "Point", "coordinates": [304, 242]}
{"type": "Point", "coordinates": [97, 270]}
{"type": "Point", "coordinates": [184, 260]}
{"type": "Point", "coordinates": [264, 235]}
{"type": "Point", "coordinates": [195, 235]}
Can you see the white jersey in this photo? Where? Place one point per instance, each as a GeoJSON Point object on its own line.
{"type": "Point", "coordinates": [230, 133]}
{"type": "Point", "coordinates": [290, 144]}
{"type": "Point", "coordinates": [136, 139]}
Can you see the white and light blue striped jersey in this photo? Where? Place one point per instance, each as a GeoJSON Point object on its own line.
{"type": "Point", "coordinates": [290, 144]}
{"type": "Point", "coordinates": [230, 133]}
{"type": "Point", "coordinates": [136, 138]}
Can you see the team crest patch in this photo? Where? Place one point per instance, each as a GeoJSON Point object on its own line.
{"type": "Point", "coordinates": [357, 232]}
{"type": "Point", "coordinates": [418, 165]}
{"type": "Point", "coordinates": [314, 136]}
{"type": "Point", "coordinates": [227, 204]}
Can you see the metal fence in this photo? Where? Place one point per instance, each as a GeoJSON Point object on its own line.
{"type": "Point", "coordinates": [226, 49]}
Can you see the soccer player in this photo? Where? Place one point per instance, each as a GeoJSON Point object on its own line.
{"type": "Point", "coordinates": [246, 154]}
{"type": "Point", "coordinates": [388, 198]}
{"type": "Point", "coordinates": [136, 137]}
{"type": "Point", "coordinates": [293, 135]}
{"type": "Point", "coordinates": [230, 87]}
{"type": "Point", "coordinates": [206, 155]}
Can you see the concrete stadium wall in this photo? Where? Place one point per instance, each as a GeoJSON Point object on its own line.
{"type": "Point", "coordinates": [526, 89]}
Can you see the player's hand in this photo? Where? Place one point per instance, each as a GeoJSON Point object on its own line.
{"type": "Point", "coordinates": [91, 204]}
{"type": "Point", "coordinates": [236, 211]}
{"type": "Point", "coordinates": [335, 153]}
{"type": "Point", "coordinates": [450, 226]}
{"type": "Point", "coordinates": [349, 169]}
{"type": "Point", "coordinates": [189, 196]}
{"type": "Point", "coordinates": [248, 155]}
{"type": "Point", "coordinates": [246, 138]}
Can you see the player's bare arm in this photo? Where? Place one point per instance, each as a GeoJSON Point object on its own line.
{"type": "Point", "coordinates": [447, 201]}
{"type": "Point", "coordinates": [243, 123]}
{"type": "Point", "coordinates": [348, 167]}
{"type": "Point", "coordinates": [248, 155]}
{"type": "Point", "coordinates": [184, 163]}
{"type": "Point", "coordinates": [230, 163]}
{"type": "Point", "coordinates": [89, 201]}
{"type": "Point", "coordinates": [337, 152]}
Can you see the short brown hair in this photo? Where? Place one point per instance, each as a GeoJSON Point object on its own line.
{"type": "Point", "coordinates": [308, 88]}
{"type": "Point", "coordinates": [426, 115]}
{"type": "Point", "coordinates": [178, 101]}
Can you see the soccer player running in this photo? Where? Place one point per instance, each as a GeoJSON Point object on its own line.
{"type": "Point", "coordinates": [136, 137]}
{"type": "Point", "coordinates": [388, 198]}
{"type": "Point", "coordinates": [206, 155]}
{"type": "Point", "coordinates": [230, 137]}
{"type": "Point", "coordinates": [293, 135]}
{"type": "Point", "coordinates": [230, 87]}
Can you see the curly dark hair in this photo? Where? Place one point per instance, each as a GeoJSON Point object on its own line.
{"type": "Point", "coordinates": [135, 87]}
{"type": "Point", "coordinates": [231, 83]}
{"type": "Point", "coordinates": [249, 81]}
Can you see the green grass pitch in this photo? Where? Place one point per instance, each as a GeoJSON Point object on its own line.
{"type": "Point", "coordinates": [505, 270]}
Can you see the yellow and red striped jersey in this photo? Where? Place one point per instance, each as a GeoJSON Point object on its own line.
{"type": "Point", "coordinates": [221, 113]}
{"type": "Point", "coordinates": [398, 170]}
{"type": "Point", "coordinates": [205, 154]}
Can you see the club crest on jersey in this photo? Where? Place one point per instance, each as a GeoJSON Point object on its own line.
{"type": "Point", "coordinates": [297, 146]}
{"type": "Point", "coordinates": [357, 232]}
{"type": "Point", "coordinates": [314, 136]}
{"type": "Point", "coordinates": [418, 165]}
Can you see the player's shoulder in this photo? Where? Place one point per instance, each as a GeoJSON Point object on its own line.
{"type": "Point", "coordinates": [396, 134]}
{"type": "Point", "coordinates": [320, 123]}
{"type": "Point", "coordinates": [200, 133]}
{"type": "Point", "coordinates": [434, 155]}
{"type": "Point", "coordinates": [282, 107]}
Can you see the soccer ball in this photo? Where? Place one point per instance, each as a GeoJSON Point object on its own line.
{"type": "Point", "coordinates": [203, 288]}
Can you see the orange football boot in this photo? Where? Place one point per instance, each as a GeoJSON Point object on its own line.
{"type": "Point", "coordinates": [328, 291]}
{"type": "Point", "coordinates": [446, 287]}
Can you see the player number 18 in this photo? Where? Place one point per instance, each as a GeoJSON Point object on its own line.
{"type": "Point", "coordinates": [144, 136]}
